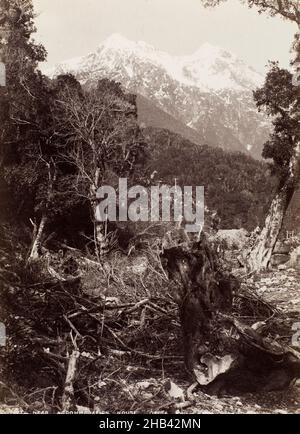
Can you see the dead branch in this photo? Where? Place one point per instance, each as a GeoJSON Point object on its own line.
{"type": "Point", "coordinates": [68, 395]}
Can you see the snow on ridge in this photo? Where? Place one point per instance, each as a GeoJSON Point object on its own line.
{"type": "Point", "coordinates": [71, 65]}
{"type": "Point", "coordinates": [209, 68]}
{"type": "Point", "coordinates": [119, 42]}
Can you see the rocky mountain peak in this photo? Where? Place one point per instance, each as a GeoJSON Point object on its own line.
{"type": "Point", "coordinates": [210, 90]}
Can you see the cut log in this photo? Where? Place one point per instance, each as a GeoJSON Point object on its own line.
{"type": "Point", "coordinates": [281, 248]}
{"type": "Point", "coordinates": [294, 261]}
{"type": "Point", "coordinates": [279, 259]}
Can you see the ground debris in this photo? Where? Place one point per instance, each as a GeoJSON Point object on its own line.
{"type": "Point", "coordinates": [127, 334]}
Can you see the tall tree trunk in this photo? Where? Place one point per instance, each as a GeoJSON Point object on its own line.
{"type": "Point", "coordinates": [260, 255]}
{"type": "Point", "coordinates": [100, 236]}
{"type": "Point", "coordinates": [39, 232]}
{"type": "Point", "coordinates": [38, 235]}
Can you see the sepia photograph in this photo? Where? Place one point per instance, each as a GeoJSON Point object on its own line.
{"type": "Point", "coordinates": [149, 210]}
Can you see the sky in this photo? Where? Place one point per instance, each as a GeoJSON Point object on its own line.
{"type": "Point", "coordinates": [71, 28]}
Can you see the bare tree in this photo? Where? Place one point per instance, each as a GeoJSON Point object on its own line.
{"type": "Point", "coordinates": [102, 137]}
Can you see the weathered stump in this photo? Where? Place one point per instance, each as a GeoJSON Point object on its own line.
{"type": "Point", "coordinates": [202, 288]}
{"type": "Point", "coordinates": [219, 349]}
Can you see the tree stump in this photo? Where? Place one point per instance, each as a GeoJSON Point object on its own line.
{"type": "Point", "coordinates": [219, 349]}
{"type": "Point", "coordinates": [202, 288]}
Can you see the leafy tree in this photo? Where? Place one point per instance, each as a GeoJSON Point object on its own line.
{"type": "Point", "coordinates": [280, 96]}
{"type": "Point", "coordinates": [28, 152]}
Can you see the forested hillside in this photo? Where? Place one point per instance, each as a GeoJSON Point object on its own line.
{"type": "Point", "coordinates": [237, 186]}
{"type": "Point", "coordinates": [150, 115]}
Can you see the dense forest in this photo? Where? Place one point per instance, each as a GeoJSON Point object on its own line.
{"type": "Point", "coordinates": [236, 186]}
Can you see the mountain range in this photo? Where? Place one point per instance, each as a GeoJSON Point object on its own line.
{"type": "Point", "coordinates": [206, 97]}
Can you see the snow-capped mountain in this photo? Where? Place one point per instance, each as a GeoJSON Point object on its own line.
{"type": "Point", "coordinates": [210, 91]}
